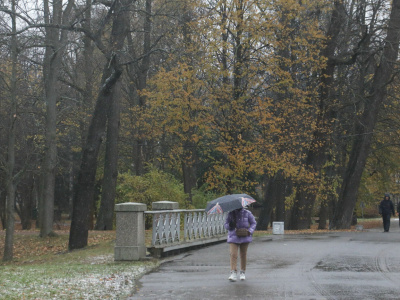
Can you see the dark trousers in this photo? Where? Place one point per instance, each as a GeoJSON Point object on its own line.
{"type": "Point", "coordinates": [386, 221]}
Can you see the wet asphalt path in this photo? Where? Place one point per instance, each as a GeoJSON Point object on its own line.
{"type": "Point", "coordinates": [346, 265]}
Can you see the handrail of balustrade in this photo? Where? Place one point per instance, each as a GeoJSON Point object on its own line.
{"type": "Point", "coordinates": [152, 212]}
{"type": "Point", "coordinates": [170, 229]}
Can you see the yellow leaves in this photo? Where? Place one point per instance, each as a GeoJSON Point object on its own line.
{"type": "Point", "coordinates": [177, 109]}
{"type": "Point", "coordinates": [246, 104]}
{"type": "Point", "coordinates": [76, 149]}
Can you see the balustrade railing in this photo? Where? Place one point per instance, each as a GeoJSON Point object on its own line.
{"type": "Point", "coordinates": [173, 229]}
{"type": "Point", "coordinates": [197, 225]}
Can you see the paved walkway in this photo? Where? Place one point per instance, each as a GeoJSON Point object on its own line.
{"type": "Point", "coordinates": [346, 265]}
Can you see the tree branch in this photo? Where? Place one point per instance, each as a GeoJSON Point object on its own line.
{"type": "Point", "coordinates": [11, 13]}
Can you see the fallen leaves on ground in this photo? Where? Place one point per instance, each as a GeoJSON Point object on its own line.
{"type": "Point", "coordinates": [28, 245]}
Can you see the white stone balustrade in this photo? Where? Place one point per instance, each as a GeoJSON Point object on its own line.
{"type": "Point", "coordinates": [198, 229]}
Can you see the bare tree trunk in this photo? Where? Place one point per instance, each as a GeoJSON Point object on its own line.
{"type": "Point", "coordinates": [87, 94]}
{"type": "Point", "coordinates": [274, 194]}
{"type": "Point", "coordinates": [189, 157]}
{"type": "Point", "coordinates": [10, 179]}
{"type": "Point", "coordinates": [268, 204]}
{"type": "Point", "coordinates": [84, 190]}
{"type": "Point", "coordinates": [189, 170]}
{"type": "Point", "coordinates": [141, 74]}
{"type": "Point", "coordinates": [3, 209]}
{"type": "Point", "coordinates": [105, 218]}
{"type": "Point", "coordinates": [52, 64]}
{"type": "Point", "coordinates": [323, 215]}
{"type": "Point", "coordinates": [10, 222]}
{"type": "Point", "coordinates": [282, 190]}
{"type": "Point", "coordinates": [364, 129]}
{"type": "Point", "coordinates": [25, 204]}
{"type": "Point", "coordinates": [87, 54]}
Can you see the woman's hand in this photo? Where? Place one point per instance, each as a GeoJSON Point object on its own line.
{"type": "Point", "coordinates": [232, 225]}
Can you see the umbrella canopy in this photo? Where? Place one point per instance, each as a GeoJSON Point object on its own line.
{"type": "Point", "coordinates": [228, 203]}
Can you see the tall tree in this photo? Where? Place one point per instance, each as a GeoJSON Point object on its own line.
{"type": "Point", "coordinates": [55, 41]}
{"type": "Point", "coordinates": [106, 211]}
{"type": "Point", "coordinates": [375, 97]}
{"type": "Point", "coordinates": [138, 73]}
{"type": "Point", "coordinates": [325, 115]}
{"type": "Point", "coordinates": [10, 176]}
{"type": "Point", "coordinates": [84, 190]}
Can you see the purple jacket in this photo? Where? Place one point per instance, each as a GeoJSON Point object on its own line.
{"type": "Point", "coordinates": [244, 219]}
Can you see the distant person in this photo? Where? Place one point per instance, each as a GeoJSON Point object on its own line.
{"type": "Point", "coordinates": [386, 208]}
{"type": "Point", "coordinates": [239, 219]}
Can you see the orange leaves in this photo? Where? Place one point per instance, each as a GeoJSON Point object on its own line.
{"type": "Point", "coordinates": [176, 105]}
{"type": "Point", "coordinates": [245, 106]}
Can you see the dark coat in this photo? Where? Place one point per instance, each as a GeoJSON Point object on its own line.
{"type": "Point", "coordinates": [386, 207]}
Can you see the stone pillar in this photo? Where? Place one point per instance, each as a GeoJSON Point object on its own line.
{"type": "Point", "coordinates": [163, 224]}
{"type": "Point", "coordinates": [165, 205]}
{"type": "Point", "coordinates": [130, 231]}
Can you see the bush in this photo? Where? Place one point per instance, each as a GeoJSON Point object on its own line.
{"type": "Point", "coordinates": [200, 197]}
{"type": "Point", "coordinates": [151, 187]}
{"type": "Point", "coordinates": [370, 211]}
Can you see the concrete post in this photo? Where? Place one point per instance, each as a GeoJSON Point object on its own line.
{"type": "Point", "coordinates": [130, 231]}
{"type": "Point", "coordinates": [165, 205]}
{"type": "Point", "coordinates": [165, 224]}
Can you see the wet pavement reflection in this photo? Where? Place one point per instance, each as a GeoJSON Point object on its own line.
{"type": "Point", "coordinates": [337, 265]}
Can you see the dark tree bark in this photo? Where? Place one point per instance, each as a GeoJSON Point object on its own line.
{"type": "Point", "coordinates": [25, 202]}
{"type": "Point", "coordinates": [88, 70]}
{"type": "Point", "coordinates": [323, 215]}
{"type": "Point", "coordinates": [283, 190]}
{"type": "Point", "coordinates": [87, 103]}
{"type": "Point", "coordinates": [364, 128]}
{"type": "Point", "coordinates": [189, 169]}
{"type": "Point", "coordinates": [189, 157]}
{"type": "Point", "coordinates": [105, 218]}
{"type": "Point", "coordinates": [84, 191]}
{"type": "Point", "coordinates": [274, 197]}
{"type": "Point", "coordinates": [3, 209]}
{"type": "Point", "coordinates": [55, 42]}
{"type": "Point", "coordinates": [10, 222]}
{"type": "Point", "coordinates": [317, 155]}
{"type": "Point", "coordinates": [10, 176]}
{"type": "Point", "coordinates": [138, 77]}
{"type": "Point", "coordinates": [267, 206]}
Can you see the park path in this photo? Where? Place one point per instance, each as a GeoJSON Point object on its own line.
{"type": "Point", "coordinates": [336, 265]}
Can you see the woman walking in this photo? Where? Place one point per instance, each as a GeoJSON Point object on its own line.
{"type": "Point", "coordinates": [240, 224]}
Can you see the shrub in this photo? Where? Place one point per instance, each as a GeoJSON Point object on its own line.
{"type": "Point", "coordinates": [151, 187]}
{"type": "Point", "coordinates": [370, 211]}
{"type": "Point", "coordinates": [200, 197]}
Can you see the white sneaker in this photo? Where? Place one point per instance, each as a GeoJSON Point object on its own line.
{"type": "Point", "coordinates": [233, 276]}
{"type": "Point", "coordinates": [242, 276]}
